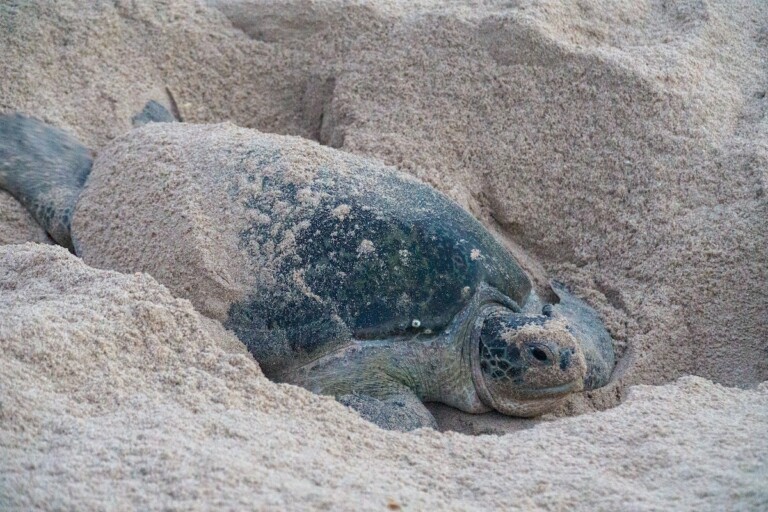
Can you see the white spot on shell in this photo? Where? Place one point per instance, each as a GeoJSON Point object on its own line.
{"type": "Point", "coordinates": [475, 255]}
{"type": "Point", "coordinates": [365, 247]}
{"type": "Point", "coordinates": [404, 256]}
{"type": "Point", "coordinates": [341, 211]}
{"type": "Point", "coordinates": [304, 195]}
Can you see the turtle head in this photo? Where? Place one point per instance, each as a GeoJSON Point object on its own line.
{"type": "Point", "coordinates": [523, 364]}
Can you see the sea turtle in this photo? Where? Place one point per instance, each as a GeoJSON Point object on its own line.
{"type": "Point", "coordinates": [340, 275]}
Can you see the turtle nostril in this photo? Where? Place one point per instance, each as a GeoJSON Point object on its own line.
{"type": "Point", "coordinates": [539, 354]}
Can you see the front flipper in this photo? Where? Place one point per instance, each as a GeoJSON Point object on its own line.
{"type": "Point", "coordinates": [402, 411]}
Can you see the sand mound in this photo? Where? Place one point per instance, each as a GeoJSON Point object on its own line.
{"type": "Point", "coordinates": [117, 395]}
{"type": "Point", "coordinates": [621, 148]}
{"type": "Point", "coordinates": [16, 224]}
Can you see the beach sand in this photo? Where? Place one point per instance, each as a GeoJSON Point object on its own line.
{"type": "Point", "coordinates": [620, 147]}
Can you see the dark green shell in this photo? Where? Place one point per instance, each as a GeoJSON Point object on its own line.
{"type": "Point", "coordinates": [400, 259]}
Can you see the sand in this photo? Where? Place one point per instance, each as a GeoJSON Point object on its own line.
{"type": "Point", "coordinates": [17, 225]}
{"type": "Point", "coordinates": [618, 146]}
{"type": "Point", "coordinates": [118, 395]}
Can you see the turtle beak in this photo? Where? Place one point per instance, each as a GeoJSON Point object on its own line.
{"type": "Point", "coordinates": [586, 326]}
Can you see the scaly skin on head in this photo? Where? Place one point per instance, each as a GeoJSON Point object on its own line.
{"type": "Point", "coordinates": [525, 364]}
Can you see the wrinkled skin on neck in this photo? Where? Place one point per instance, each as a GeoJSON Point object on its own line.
{"type": "Point", "coordinates": [435, 368]}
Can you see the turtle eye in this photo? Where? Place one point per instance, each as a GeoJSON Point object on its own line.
{"type": "Point", "coordinates": [542, 352]}
{"type": "Point", "coordinates": [539, 354]}
{"type": "Point", "coordinates": [547, 310]}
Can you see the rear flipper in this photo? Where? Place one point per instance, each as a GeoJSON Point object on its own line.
{"type": "Point", "coordinates": [44, 169]}
{"type": "Point", "coordinates": [403, 412]}
{"type": "Point", "coordinates": [153, 112]}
